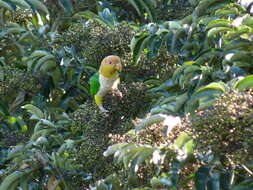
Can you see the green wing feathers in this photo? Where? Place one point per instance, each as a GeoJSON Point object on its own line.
{"type": "Point", "coordinates": [94, 84]}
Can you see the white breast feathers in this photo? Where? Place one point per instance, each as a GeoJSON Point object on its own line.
{"type": "Point", "coordinates": [107, 84]}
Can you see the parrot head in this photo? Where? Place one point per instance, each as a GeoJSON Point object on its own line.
{"type": "Point", "coordinates": [110, 66]}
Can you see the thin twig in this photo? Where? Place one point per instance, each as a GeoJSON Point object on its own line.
{"type": "Point", "coordinates": [247, 169]}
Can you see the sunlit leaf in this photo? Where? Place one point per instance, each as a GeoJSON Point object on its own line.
{"type": "Point", "coordinates": [34, 110]}
{"type": "Point", "coordinates": [182, 139]}
{"type": "Point", "coordinates": [114, 148]}
{"type": "Point", "coordinates": [244, 83]}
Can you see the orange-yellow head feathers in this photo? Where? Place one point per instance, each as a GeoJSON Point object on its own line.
{"type": "Point", "coordinates": [110, 66]}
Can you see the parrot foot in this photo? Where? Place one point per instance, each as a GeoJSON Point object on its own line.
{"type": "Point", "coordinates": [104, 111]}
{"type": "Point", "coordinates": [118, 93]}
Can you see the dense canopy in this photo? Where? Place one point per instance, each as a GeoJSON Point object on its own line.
{"type": "Point", "coordinates": [185, 120]}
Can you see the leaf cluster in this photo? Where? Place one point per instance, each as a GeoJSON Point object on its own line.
{"type": "Point", "coordinates": [229, 126]}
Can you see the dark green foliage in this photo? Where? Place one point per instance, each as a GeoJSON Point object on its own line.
{"type": "Point", "coordinates": [211, 48]}
{"type": "Point", "coordinates": [97, 129]}
{"type": "Point", "coordinates": [95, 41]}
{"type": "Point", "coordinates": [77, 35]}
{"type": "Point", "coordinates": [160, 67]}
{"type": "Point", "coordinates": [105, 41]}
{"type": "Point", "coordinates": [47, 152]}
{"type": "Point", "coordinates": [154, 134]}
{"type": "Point", "coordinates": [21, 16]}
{"type": "Point", "coordinates": [160, 135]}
{"type": "Point", "coordinates": [12, 138]}
{"type": "Point", "coordinates": [53, 137]}
{"type": "Point", "coordinates": [227, 127]}
{"type": "Point", "coordinates": [12, 78]}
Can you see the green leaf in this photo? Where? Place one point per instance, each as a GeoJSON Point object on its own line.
{"type": "Point", "coordinates": [189, 146]}
{"type": "Point", "coordinates": [244, 83]}
{"type": "Point", "coordinates": [219, 23]}
{"type": "Point", "coordinates": [202, 99]}
{"type": "Point", "coordinates": [34, 110]}
{"type": "Point", "coordinates": [108, 17]}
{"type": "Point", "coordinates": [123, 155]}
{"type": "Point", "coordinates": [214, 31]}
{"type": "Point", "coordinates": [227, 12]}
{"type": "Point", "coordinates": [225, 180]}
{"type": "Point", "coordinates": [114, 180]}
{"type": "Point", "coordinates": [131, 153]}
{"type": "Point", "coordinates": [22, 125]}
{"type": "Point", "coordinates": [204, 7]}
{"type": "Point", "coordinates": [114, 148]}
{"type": "Point", "coordinates": [138, 43]}
{"type": "Point", "coordinates": [132, 180]}
{"type": "Point", "coordinates": [49, 60]}
{"type": "Point", "coordinates": [160, 183]}
{"type": "Point", "coordinates": [149, 121]}
{"type": "Point", "coordinates": [100, 185]}
{"type": "Point", "coordinates": [43, 132]}
{"type": "Point", "coordinates": [47, 123]}
{"type": "Point", "coordinates": [56, 76]}
{"type": "Point", "coordinates": [174, 172]}
{"type": "Point", "coordinates": [15, 151]}
{"type": "Point", "coordinates": [39, 6]}
{"type": "Point", "coordinates": [189, 46]}
{"type": "Point", "coordinates": [189, 72]}
{"type": "Point", "coordinates": [140, 157]}
{"type": "Point", "coordinates": [214, 86]}
{"type": "Point", "coordinates": [242, 56]}
{"type": "Point", "coordinates": [67, 5]}
{"type": "Point", "coordinates": [12, 121]}
{"type": "Point", "coordinates": [180, 101]}
{"type": "Point", "coordinates": [241, 187]}
{"type": "Point", "coordinates": [155, 43]}
{"type": "Point", "coordinates": [35, 54]}
{"type": "Point", "coordinates": [24, 183]}
{"type": "Point", "coordinates": [21, 4]}
{"type": "Point", "coordinates": [136, 4]}
{"type": "Point", "coordinates": [90, 15]}
{"type": "Point", "coordinates": [35, 20]}
{"type": "Point", "coordinates": [12, 30]}
{"type": "Point", "coordinates": [237, 33]}
{"type": "Point", "coordinates": [182, 139]}
{"type": "Point", "coordinates": [246, 46]}
{"type": "Point", "coordinates": [175, 44]}
{"type": "Point", "coordinates": [248, 21]}
{"type": "Point", "coordinates": [6, 6]}
{"type": "Point", "coordinates": [205, 102]}
{"type": "Point", "coordinates": [12, 179]}
{"type": "Point", "coordinates": [4, 108]}
{"type": "Point", "coordinates": [201, 178]}
{"type": "Point", "coordinates": [149, 7]}
{"type": "Point", "coordinates": [214, 181]}
{"type": "Point", "coordinates": [144, 5]}
{"type": "Point", "coordinates": [49, 66]}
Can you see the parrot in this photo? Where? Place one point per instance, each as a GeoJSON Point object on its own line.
{"type": "Point", "coordinates": [105, 80]}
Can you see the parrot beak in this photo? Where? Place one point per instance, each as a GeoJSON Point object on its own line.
{"type": "Point", "coordinates": [119, 66]}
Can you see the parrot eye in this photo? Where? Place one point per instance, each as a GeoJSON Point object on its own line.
{"type": "Point", "coordinates": [110, 62]}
